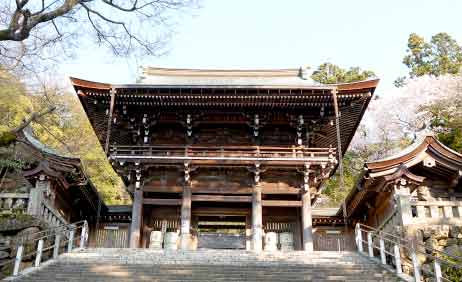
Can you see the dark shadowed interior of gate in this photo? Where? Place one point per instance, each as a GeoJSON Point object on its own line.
{"type": "Point", "coordinates": [221, 232]}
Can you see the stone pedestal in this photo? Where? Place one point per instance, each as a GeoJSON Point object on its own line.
{"type": "Point", "coordinates": [271, 241]}
{"type": "Point", "coordinates": [155, 240]}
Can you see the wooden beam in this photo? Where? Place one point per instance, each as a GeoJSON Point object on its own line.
{"type": "Point", "coordinates": [280, 203]}
{"type": "Point", "coordinates": [224, 211]}
{"type": "Point", "coordinates": [222, 190]}
{"type": "Point", "coordinates": [162, 202]}
{"type": "Point", "coordinates": [269, 189]}
{"type": "Point", "coordinates": [273, 189]}
{"type": "Point", "coordinates": [221, 198]}
{"type": "Point", "coordinates": [163, 189]}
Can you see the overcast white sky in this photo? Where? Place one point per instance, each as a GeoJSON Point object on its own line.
{"type": "Point", "coordinates": [371, 34]}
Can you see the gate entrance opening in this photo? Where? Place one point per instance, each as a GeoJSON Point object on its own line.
{"type": "Point", "coordinates": [221, 232]}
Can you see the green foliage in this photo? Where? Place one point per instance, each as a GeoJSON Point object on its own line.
{"type": "Point", "coordinates": [329, 73]}
{"type": "Point", "coordinates": [11, 164]}
{"type": "Point", "coordinates": [7, 138]}
{"type": "Point", "coordinates": [15, 104]}
{"type": "Point", "coordinates": [452, 139]}
{"type": "Point", "coordinates": [442, 55]}
{"type": "Point", "coordinates": [66, 130]}
{"type": "Point", "coordinates": [446, 120]}
{"type": "Point", "coordinates": [450, 272]}
{"type": "Point", "coordinates": [353, 164]}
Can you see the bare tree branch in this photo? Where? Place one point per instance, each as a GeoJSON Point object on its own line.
{"type": "Point", "coordinates": [33, 117]}
{"type": "Point", "coordinates": [125, 27]}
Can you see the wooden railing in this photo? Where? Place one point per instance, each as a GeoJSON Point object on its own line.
{"type": "Point", "coordinates": [14, 201]}
{"type": "Point", "coordinates": [224, 152]}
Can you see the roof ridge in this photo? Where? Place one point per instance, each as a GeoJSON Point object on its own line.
{"type": "Point", "coordinates": [148, 70]}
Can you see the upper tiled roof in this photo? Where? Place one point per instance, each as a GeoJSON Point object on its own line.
{"type": "Point", "coordinates": [191, 77]}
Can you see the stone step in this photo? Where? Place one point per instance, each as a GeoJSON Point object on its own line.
{"type": "Point", "coordinates": [114, 265]}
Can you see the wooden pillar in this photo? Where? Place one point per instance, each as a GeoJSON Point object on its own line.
{"type": "Point", "coordinates": [137, 214]}
{"type": "Point", "coordinates": [185, 236]}
{"type": "Point", "coordinates": [248, 233]}
{"type": "Point", "coordinates": [257, 219]}
{"type": "Point", "coordinates": [307, 221]}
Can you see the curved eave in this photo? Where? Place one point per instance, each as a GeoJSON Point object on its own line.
{"type": "Point", "coordinates": [341, 87]}
{"type": "Point", "coordinates": [429, 143]}
{"type": "Point", "coordinates": [359, 85]}
{"type": "Point", "coordinates": [77, 82]}
{"type": "Point", "coordinates": [45, 151]}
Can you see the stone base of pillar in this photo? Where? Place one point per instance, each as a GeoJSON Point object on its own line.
{"type": "Point", "coordinates": [187, 242]}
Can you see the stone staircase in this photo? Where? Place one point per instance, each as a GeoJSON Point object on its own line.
{"type": "Point", "coordinates": [117, 265]}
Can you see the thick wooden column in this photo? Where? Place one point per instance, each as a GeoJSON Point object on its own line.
{"type": "Point", "coordinates": [137, 214]}
{"type": "Point", "coordinates": [248, 233]}
{"type": "Point", "coordinates": [257, 220]}
{"type": "Point", "coordinates": [185, 236]}
{"type": "Point", "coordinates": [307, 221]}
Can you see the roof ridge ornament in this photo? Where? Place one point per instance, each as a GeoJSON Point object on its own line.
{"type": "Point", "coordinates": [304, 73]}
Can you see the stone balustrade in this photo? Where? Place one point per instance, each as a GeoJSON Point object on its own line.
{"type": "Point", "coordinates": [16, 201]}
{"type": "Point", "coordinates": [49, 215]}
{"type": "Point", "coordinates": [436, 212]}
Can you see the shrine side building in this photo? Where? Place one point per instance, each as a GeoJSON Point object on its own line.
{"type": "Point", "coordinates": [222, 157]}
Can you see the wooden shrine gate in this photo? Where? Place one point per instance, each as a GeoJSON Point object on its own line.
{"type": "Point", "coordinates": [112, 235]}
{"type": "Point", "coordinates": [327, 240]}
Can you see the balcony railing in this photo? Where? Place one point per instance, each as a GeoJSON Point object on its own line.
{"type": "Point", "coordinates": [224, 153]}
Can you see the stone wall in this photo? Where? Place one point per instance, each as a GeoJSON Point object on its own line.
{"type": "Point", "coordinates": [444, 238]}
{"type": "Point", "coordinates": [14, 226]}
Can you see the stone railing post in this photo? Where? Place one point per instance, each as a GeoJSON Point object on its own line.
{"type": "Point", "coordinates": [438, 274]}
{"type": "Point", "coordinates": [56, 247]}
{"type": "Point", "coordinates": [83, 236]}
{"type": "Point", "coordinates": [403, 200]}
{"type": "Point", "coordinates": [359, 238]}
{"type": "Point", "coordinates": [370, 247]}
{"type": "Point", "coordinates": [38, 257]}
{"type": "Point", "coordinates": [70, 243]}
{"type": "Point", "coordinates": [36, 196]}
{"type": "Point", "coordinates": [415, 265]}
{"type": "Point", "coordinates": [399, 268]}
{"type": "Point", "coordinates": [17, 261]}
{"type": "Point", "coordinates": [383, 258]}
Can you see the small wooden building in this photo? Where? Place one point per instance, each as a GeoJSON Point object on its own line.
{"type": "Point", "coordinates": [57, 190]}
{"type": "Point", "coordinates": [419, 188]}
{"type": "Point", "coordinates": [223, 157]}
